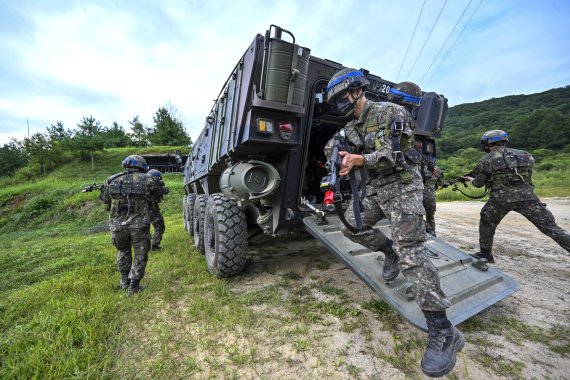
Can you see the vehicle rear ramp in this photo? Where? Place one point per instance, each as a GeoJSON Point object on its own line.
{"type": "Point", "coordinates": [469, 284]}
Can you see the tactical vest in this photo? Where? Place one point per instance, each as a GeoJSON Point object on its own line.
{"type": "Point", "coordinates": [510, 169]}
{"type": "Point", "coordinates": [128, 195]}
{"type": "Point", "coordinates": [385, 130]}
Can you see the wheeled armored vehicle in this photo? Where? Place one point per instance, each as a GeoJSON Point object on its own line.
{"type": "Point", "coordinates": [256, 167]}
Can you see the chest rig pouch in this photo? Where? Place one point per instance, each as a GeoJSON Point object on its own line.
{"type": "Point", "coordinates": [127, 191]}
{"type": "Point", "coordinates": [511, 169]}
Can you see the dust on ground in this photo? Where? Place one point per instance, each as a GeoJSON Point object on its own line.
{"type": "Point", "coordinates": [522, 336]}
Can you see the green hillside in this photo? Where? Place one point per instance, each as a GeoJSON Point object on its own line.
{"type": "Point", "coordinates": [537, 121]}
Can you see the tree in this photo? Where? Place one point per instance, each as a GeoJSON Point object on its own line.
{"type": "Point", "coordinates": [12, 157]}
{"type": "Point", "coordinates": [60, 141]}
{"type": "Point", "coordinates": [168, 130]}
{"type": "Point", "coordinates": [115, 137]}
{"type": "Point", "coordinates": [139, 134]}
{"type": "Point", "coordinates": [37, 148]}
{"type": "Point", "coordinates": [89, 138]}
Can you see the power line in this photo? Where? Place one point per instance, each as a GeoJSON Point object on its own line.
{"type": "Point", "coordinates": [432, 28]}
{"type": "Point", "coordinates": [411, 39]}
{"type": "Point", "coordinates": [451, 48]}
{"type": "Point", "coordinates": [447, 39]}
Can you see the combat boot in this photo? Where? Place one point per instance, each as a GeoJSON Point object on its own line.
{"type": "Point", "coordinates": [124, 282]}
{"type": "Point", "coordinates": [134, 288]}
{"type": "Point", "coordinates": [484, 254]}
{"type": "Point", "coordinates": [391, 269]}
{"type": "Point", "coordinates": [431, 232]}
{"type": "Point", "coordinates": [444, 342]}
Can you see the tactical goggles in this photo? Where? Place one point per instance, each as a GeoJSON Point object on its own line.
{"type": "Point", "coordinates": [342, 83]}
{"type": "Point", "coordinates": [406, 97]}
{"type": "Point", "coordinates": [134, 163]}
{"type": "Point", "coordinates": [496, 138]}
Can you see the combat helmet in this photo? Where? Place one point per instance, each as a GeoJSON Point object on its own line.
{"type": "Point", "coordinates": [407, 93]}
{"type": "Point", "coordinates": [135, 162]}
{"type": "Point", "coordinates": [494, 136]}
{"type": "Point", "coordinates": [343, 81]}
{"type": "Point", "coordinates": [155, 173]}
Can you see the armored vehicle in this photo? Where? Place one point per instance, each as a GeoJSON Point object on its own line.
{"type": "Point", "coordinates": [258, 163]}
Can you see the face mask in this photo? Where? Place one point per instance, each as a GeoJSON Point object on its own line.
{"type": "Point", "coordinates": [345, 106]}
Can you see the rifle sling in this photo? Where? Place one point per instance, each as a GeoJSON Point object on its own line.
{"type": "Point", "coordinates": [356, 206]}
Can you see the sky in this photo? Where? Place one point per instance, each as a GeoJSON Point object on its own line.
{"type": "Point", "coordinates": [117, 59]}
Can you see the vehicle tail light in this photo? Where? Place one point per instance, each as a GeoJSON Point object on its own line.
{"type": "Point", "coordinates": [285, 130]}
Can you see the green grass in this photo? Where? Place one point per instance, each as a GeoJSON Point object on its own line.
{"type": "Point", "coordinates": [62, 314]}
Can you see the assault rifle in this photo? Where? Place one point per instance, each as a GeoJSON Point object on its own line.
{"type": "Point", "coordinates": [454, 183]}
{"type": "Point", "coordinates": [330, 184]}
{"type": "Point", "coordinates": [457, 180]}
{"type": "Point", "coordinates": [90, 188]}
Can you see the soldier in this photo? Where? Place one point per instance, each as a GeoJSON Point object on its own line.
{"type": "Point", "coordinates": [432, 177]}
{"type": "Point", "coordinates": [127, 195]}
{"type": "Point", "coordinates": [383, 133]}
{"type": "Point", "coordinates": [508, 174]}
{"type": "Point", "coordinates": [156, 218]}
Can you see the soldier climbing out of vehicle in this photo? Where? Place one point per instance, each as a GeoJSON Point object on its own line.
{"type": "Point", "coordinates": [383, 136]}
{"type": "Point", "coordinates": [507, 173]}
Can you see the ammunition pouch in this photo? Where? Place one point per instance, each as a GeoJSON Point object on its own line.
{"type": "Point", "coordinates": [413, 156]}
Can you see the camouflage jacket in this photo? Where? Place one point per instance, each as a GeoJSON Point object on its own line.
{"type": "Point", "coordinates": [163, 191]}
{"type": "Point", "coordinates": [432, 177]}
{"type": "Point", "coordinates": [128, 196]}
{"type": "Point", "coordinates": [508, 173]}
{"type": "Point", "coordinates": [371, 135]}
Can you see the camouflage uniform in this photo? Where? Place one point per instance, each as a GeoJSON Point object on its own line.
{"type": "Point", "coordinates": [432, 179]}
{"type": "Point", "coordinates": [128, 195]}
{"type": "Point", "coordinates": [394, 191]}
{"type": "Point", "coordinates": [156, 218]}
{"type": "Point", "coordinates": [508, 174]}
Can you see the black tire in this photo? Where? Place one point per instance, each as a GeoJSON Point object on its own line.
{"type": "Point", "coordinates": [190, 200]}
{"type": "Point", "coordinates": [225, 236]}
{"type": "Point", "coordinates": [185, 211]}
{"type": "Point", "coordinates": [198, 222]}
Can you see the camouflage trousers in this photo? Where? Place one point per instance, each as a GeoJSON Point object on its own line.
{"type": "Point", "coordinates": [429, 203]}
{"type": "Point", "coordinates": [139, 240]}
{"type": "Point", "coordinates": [405, 213]}
{"type": "Point", "coordinates": [159, 227]}
{"type": "Point", "coordinates": [535, 211]}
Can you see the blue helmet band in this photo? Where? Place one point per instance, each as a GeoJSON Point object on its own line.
{"type": "Point", "coordinates": [135, 163]}
{"type": "Point", "coordinates": [343, 78]}
{"type": "Point", "coordinates": [406, 97]}
{"type": "Point", "coordinates": [496, 138]}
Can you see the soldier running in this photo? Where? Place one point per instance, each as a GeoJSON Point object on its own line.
{"type": "Point", "coordinates": [383, 134]}
{"type": "Point", "coordinates": [156, 218]}
{"type": "Point", "coordinates": [128, 195]}
{"type": "Point", "coordinates": [508, 174]}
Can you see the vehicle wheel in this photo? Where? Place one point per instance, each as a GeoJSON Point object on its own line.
{"type": "Point", "coordinates": [225, 236]}
{"type": "Point", "coordinates": [190, 200]}
{"type": "Point", "coordinates": [198, 221]}
{"type": "Point", "coordinates": [185, 211]}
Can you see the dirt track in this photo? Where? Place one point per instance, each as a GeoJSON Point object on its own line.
{"type": "Point", "coordinates": [502, 349]}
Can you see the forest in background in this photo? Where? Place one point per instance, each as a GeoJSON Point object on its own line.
{"type": "Point", "coordinates": [538, 123]}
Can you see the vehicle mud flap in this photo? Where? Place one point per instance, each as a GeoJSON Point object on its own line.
{"type": "Point", "coordinates": [469, 288]}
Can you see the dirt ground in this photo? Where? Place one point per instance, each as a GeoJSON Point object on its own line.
{"type": "Point", "coordinates": [507, 340]}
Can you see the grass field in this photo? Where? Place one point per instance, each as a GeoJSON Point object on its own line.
{"type": "Point", "coordinates": [62, 314]}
